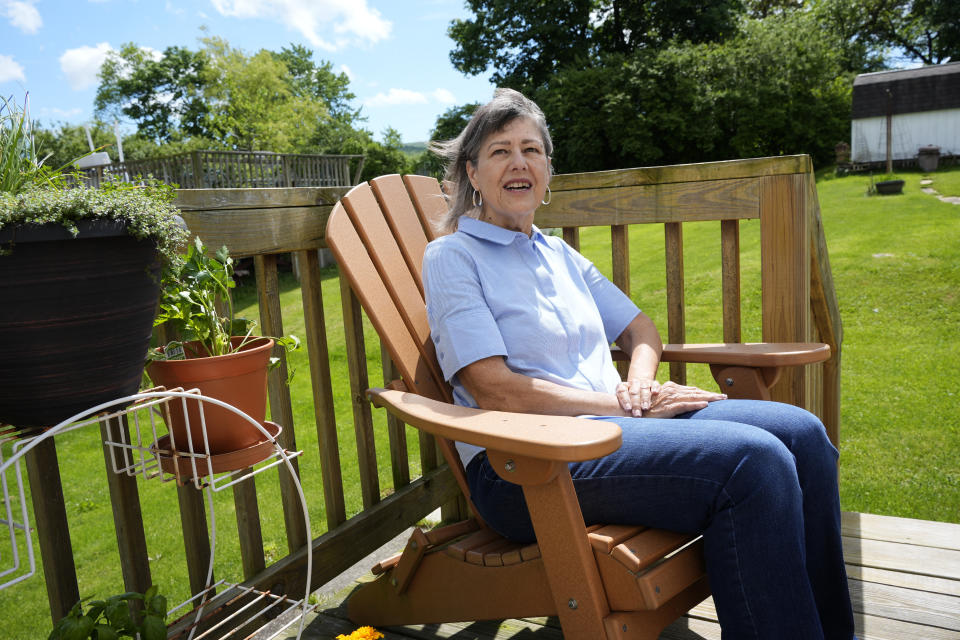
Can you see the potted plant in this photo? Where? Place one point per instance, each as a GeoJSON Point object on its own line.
{"type": "Point", "coordinates": [215, 352]}
{"type": "Point", "coordinates": [79, 283]}
{"type": "Point", "coordinates": [888, 184]}
{"type": "Point", "coordinates": [112, 618]}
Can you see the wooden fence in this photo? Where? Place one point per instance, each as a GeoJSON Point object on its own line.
{"type": "Point", "coordinates": [798, 304]}
{"type": "Point", "coordinates": [251, 169]}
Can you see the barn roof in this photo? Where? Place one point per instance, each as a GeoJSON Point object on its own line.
{"type": "Point", "coordinates": [910, 90]}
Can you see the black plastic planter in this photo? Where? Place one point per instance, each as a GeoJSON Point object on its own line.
{"type": "Point", "coordinates": [76, 316]}
{"type": "Point", "coordinates": [889, 187]}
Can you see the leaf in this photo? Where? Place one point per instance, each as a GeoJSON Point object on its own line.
{"type": "Point", "coordinates": [290, 342]}
{"type": "Point", "coordinates": [158, 605]}
{"type": "Point", "coordinates": [153, 628]}
{"type": "Point", "coordinates": [118, 614]}
{"type": "Point", "coordinates": [105, 632]}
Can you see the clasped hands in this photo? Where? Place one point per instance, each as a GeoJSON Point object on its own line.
{"type": "Point", "coordinates": [649, 399]}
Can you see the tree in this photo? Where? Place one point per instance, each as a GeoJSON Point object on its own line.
{"type": "Point", "coordinates": [927, 31]}
{"type": "Point", "coordinates": [452, 121]}
{"type": "Point", "coordinates": [278, 101]}
{"type": "Point", "coordinates": [252, 102]}
{"type": "Point", "coordinates": [641, 83]}
{"type": "Point", "coordinates": [526, 42]}
{"type": "Point", "coordinates": [380, 158]}
{"type": "Point", "coordinates": [628, 25]}
{"type": "Point", "coordinates": [161, 94]}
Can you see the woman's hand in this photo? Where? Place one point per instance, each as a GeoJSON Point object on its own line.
{"type": "Point", "coordinates": [673, 399]}
{"type": "Point", "coordinates": [636, 395]}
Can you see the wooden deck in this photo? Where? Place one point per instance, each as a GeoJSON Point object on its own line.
{"type": "Point", "coordinates": [904, 580]}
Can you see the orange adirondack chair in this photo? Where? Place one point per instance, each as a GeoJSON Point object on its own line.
{"type": "Point", "coordinates": [615, 581]}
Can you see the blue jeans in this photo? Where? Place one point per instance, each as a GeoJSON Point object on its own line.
{"type": "Point", "coordinates": [757, 479]}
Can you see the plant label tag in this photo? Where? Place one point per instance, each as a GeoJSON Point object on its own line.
{"type": "Point", "coordinates": [175, 353]}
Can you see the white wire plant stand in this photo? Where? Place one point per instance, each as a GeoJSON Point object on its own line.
{"type": "Point", "coordinates": [143, 447]}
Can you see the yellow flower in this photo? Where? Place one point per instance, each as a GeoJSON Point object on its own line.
{"type": "Point", "coordinates": [363, 633]}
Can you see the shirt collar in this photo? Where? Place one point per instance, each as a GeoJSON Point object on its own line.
{"type": "Point", "coordinates": [493, 233]}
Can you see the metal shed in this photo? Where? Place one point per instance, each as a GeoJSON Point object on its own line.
{"type": "Point", "coordinates": [923, 106]}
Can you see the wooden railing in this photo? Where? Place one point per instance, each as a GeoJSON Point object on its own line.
{"type": "Point", "coordinates": [252, 169]}
{"type": "Point", "coordinates": [798, 303]}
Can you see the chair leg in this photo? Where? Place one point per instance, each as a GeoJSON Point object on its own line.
{"type": "Point", "coordinates": [572, 571]}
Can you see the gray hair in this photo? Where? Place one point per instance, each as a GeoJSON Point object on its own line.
{"type": "Point", "coordinates": [507, 105]}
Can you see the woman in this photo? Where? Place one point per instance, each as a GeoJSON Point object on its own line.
{"type": "Point", "coordinates": [523, 323]}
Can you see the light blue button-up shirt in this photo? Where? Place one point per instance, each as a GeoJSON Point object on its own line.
{"type": "Point", "coordinates": [534, 300]}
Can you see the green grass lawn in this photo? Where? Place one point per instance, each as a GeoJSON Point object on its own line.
{"type": "Point", "coordinates": [896, 267]}
{"type": "Point", "coordinates": [945, 182]}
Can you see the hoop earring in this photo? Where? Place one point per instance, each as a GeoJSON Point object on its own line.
{"type": "Point", "coordinates": [477, 194]}
{"type": "Point", "coordinates": [549, 196]}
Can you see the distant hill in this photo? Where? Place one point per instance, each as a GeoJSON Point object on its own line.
{"type": "Point", "coordinates": [413, 148]}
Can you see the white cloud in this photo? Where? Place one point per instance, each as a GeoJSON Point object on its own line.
{"type": "Point", "coordinates": [10, 69]}
{"type": "Point", "coordinates": [23, 15]}
{"type": "Point", "coordinates": [56, 112]}
{"type": "Point", "coordinates": [81, 65]}
{"type": "Point", "coordinates": [443, 96]}
{"type": "Point", "coordinates": [345, 69]}
{"type": "Point", "coordinates": [395, 97]}
{"type": "Point", "coordinates": [350, 20]}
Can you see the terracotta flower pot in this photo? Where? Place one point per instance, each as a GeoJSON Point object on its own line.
{"type": "Point", "coordinates": [239, 379]}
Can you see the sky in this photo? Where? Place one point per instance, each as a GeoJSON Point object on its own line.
{"type": "Point", "coordinates": [395, 52]}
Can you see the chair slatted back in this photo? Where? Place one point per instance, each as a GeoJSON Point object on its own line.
{"type": "Point", "coordinates": [378, 238]}
{"type": "Point", "coordinates": [429, 201]}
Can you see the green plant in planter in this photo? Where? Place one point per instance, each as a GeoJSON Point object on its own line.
{"type": "Point", "coordinates": [196, 303]}
{"type": "Point", "coordinates": [146, 211]}
{"type": "Point", "coordinates": [79, 283]}
{"type": "Point", "coordinates": [20, 164]}
{"type": "Point", "coordinates": [112, 618]}
{"type": "Point", "coordinates": [215, 353]}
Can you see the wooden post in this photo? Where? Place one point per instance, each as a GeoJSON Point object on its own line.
{"type": "Point", "coordinates": [785, 274]}
{"type": "Point", "coordinates": [676, 311]}
{"type": "Point", "coordinates": [53, 532]}
{"type": "Point", "coordinates": [248, 526]}
{"type": "Point", "coordinates": [323, 410]}
{"type": "Point", "coordinates": [197, 164]}
{"type": "Point", "coordinates": [730, 268]}
{"type": "Point", "coordinates": [826, 314]}
{"type": "Point", "coordinates": [396, 429]}
{"type": "Point", "coordinates": [889, 132]}
{"type": "Point", "coordinates": [362, 418]}
{"type": "Point", "coordinates": [127, 515]}
{"type": "Point", "coordinates": [281, 409]}
{"type": "Point", "coordinates": [196, 541]}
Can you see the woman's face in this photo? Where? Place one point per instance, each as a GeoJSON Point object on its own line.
{"type": "Point", "coordinates": [511, 173]}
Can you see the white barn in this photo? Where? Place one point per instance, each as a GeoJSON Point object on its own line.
{"type": "Point", "coordinates": [924, 105]}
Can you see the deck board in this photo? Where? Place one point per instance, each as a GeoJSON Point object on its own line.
{"type": "Point", "coordinates": [904, 582]}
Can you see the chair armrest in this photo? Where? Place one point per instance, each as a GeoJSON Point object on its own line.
{"type": "Point", "coordinates": [748, 354]}
{"type": "Point", "coordinates": [558, 438]}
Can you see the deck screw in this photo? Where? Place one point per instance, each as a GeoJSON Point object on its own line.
{"type": "Point", "coordinates": [657, 588]}
{"type": "Point", "coordinates": [729, 382]}
{"type": "Point", "coordinates": [510, 466]}
{"type": "Point", "coordinates": [572, 603]}
{"type": "Point", "coordinates": [624, 628]}
{"type": "Point", "coordinates": [413, 545]}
